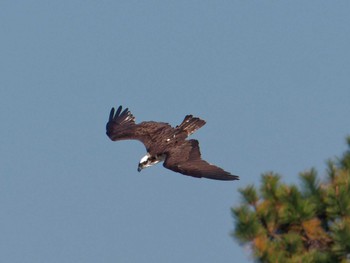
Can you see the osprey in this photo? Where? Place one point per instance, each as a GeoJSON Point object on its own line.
{"type": "Point", "coordinates": [165, 143]}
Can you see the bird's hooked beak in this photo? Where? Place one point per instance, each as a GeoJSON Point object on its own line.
{"type": "Point", "coordinates": [143, 162]}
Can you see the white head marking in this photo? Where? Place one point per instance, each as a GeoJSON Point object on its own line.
{"type": "Point", "coordinates": [148, 160]}
{"type": "Point", "coordinates": [145, 158]}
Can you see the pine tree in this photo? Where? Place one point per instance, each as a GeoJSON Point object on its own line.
{"type": "Point", "coordinates": [287, 223]}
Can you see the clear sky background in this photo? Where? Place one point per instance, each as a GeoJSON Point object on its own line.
{"type": "Point", "coordinates": [271, 78]}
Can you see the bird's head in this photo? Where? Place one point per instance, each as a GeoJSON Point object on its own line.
{"type": "Point", "coordinates": [149, 160]}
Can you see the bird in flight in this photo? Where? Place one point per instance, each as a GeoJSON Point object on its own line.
{"type": "Point", "coordinates": [165, 143]}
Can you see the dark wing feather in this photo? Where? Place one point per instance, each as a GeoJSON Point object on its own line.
{"type": "Point", "coordinates": [190, 124]}
{"type": "Point", "coordinates": [186, 159]}
{"type": "Point", "coordinates": [121, 126]}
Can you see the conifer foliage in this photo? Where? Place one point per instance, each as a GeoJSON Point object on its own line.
{"type": "Point", "coordinates": [287, 223]}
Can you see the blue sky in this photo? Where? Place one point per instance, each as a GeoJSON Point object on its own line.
{"type": "Point", "coordinates": [271, 78]}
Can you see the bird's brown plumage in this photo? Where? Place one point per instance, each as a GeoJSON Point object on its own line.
{"type": "Point", "coordinates": [160, 138]}
{"type": "Point", "coordinates": [186, 159]}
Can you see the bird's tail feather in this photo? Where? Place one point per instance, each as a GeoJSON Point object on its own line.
{"type": "Point", "coordinates": [190, 124]}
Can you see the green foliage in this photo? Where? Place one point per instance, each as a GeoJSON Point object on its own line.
{"type": "Point", "coordinates": [345, 160]}
{"type": "Point", "coordinates": [248, 225]}
{"type": "Point", "coordinates": [287, 223]}
{"type": "Point", "coordinates": [341, 237]}
{"type": "Point", "coordinates": [249, 195]}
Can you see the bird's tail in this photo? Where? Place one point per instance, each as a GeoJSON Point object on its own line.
{"type": "Point", "coordinates": [190, 124]}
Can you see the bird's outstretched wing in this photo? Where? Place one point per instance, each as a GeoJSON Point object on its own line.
{"type": "Point", "coordinates": [121, 126]}
{"type": "Point", "coordinates": [186, 159]}
{"type": "Point", "coordinates": [190, 124]}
